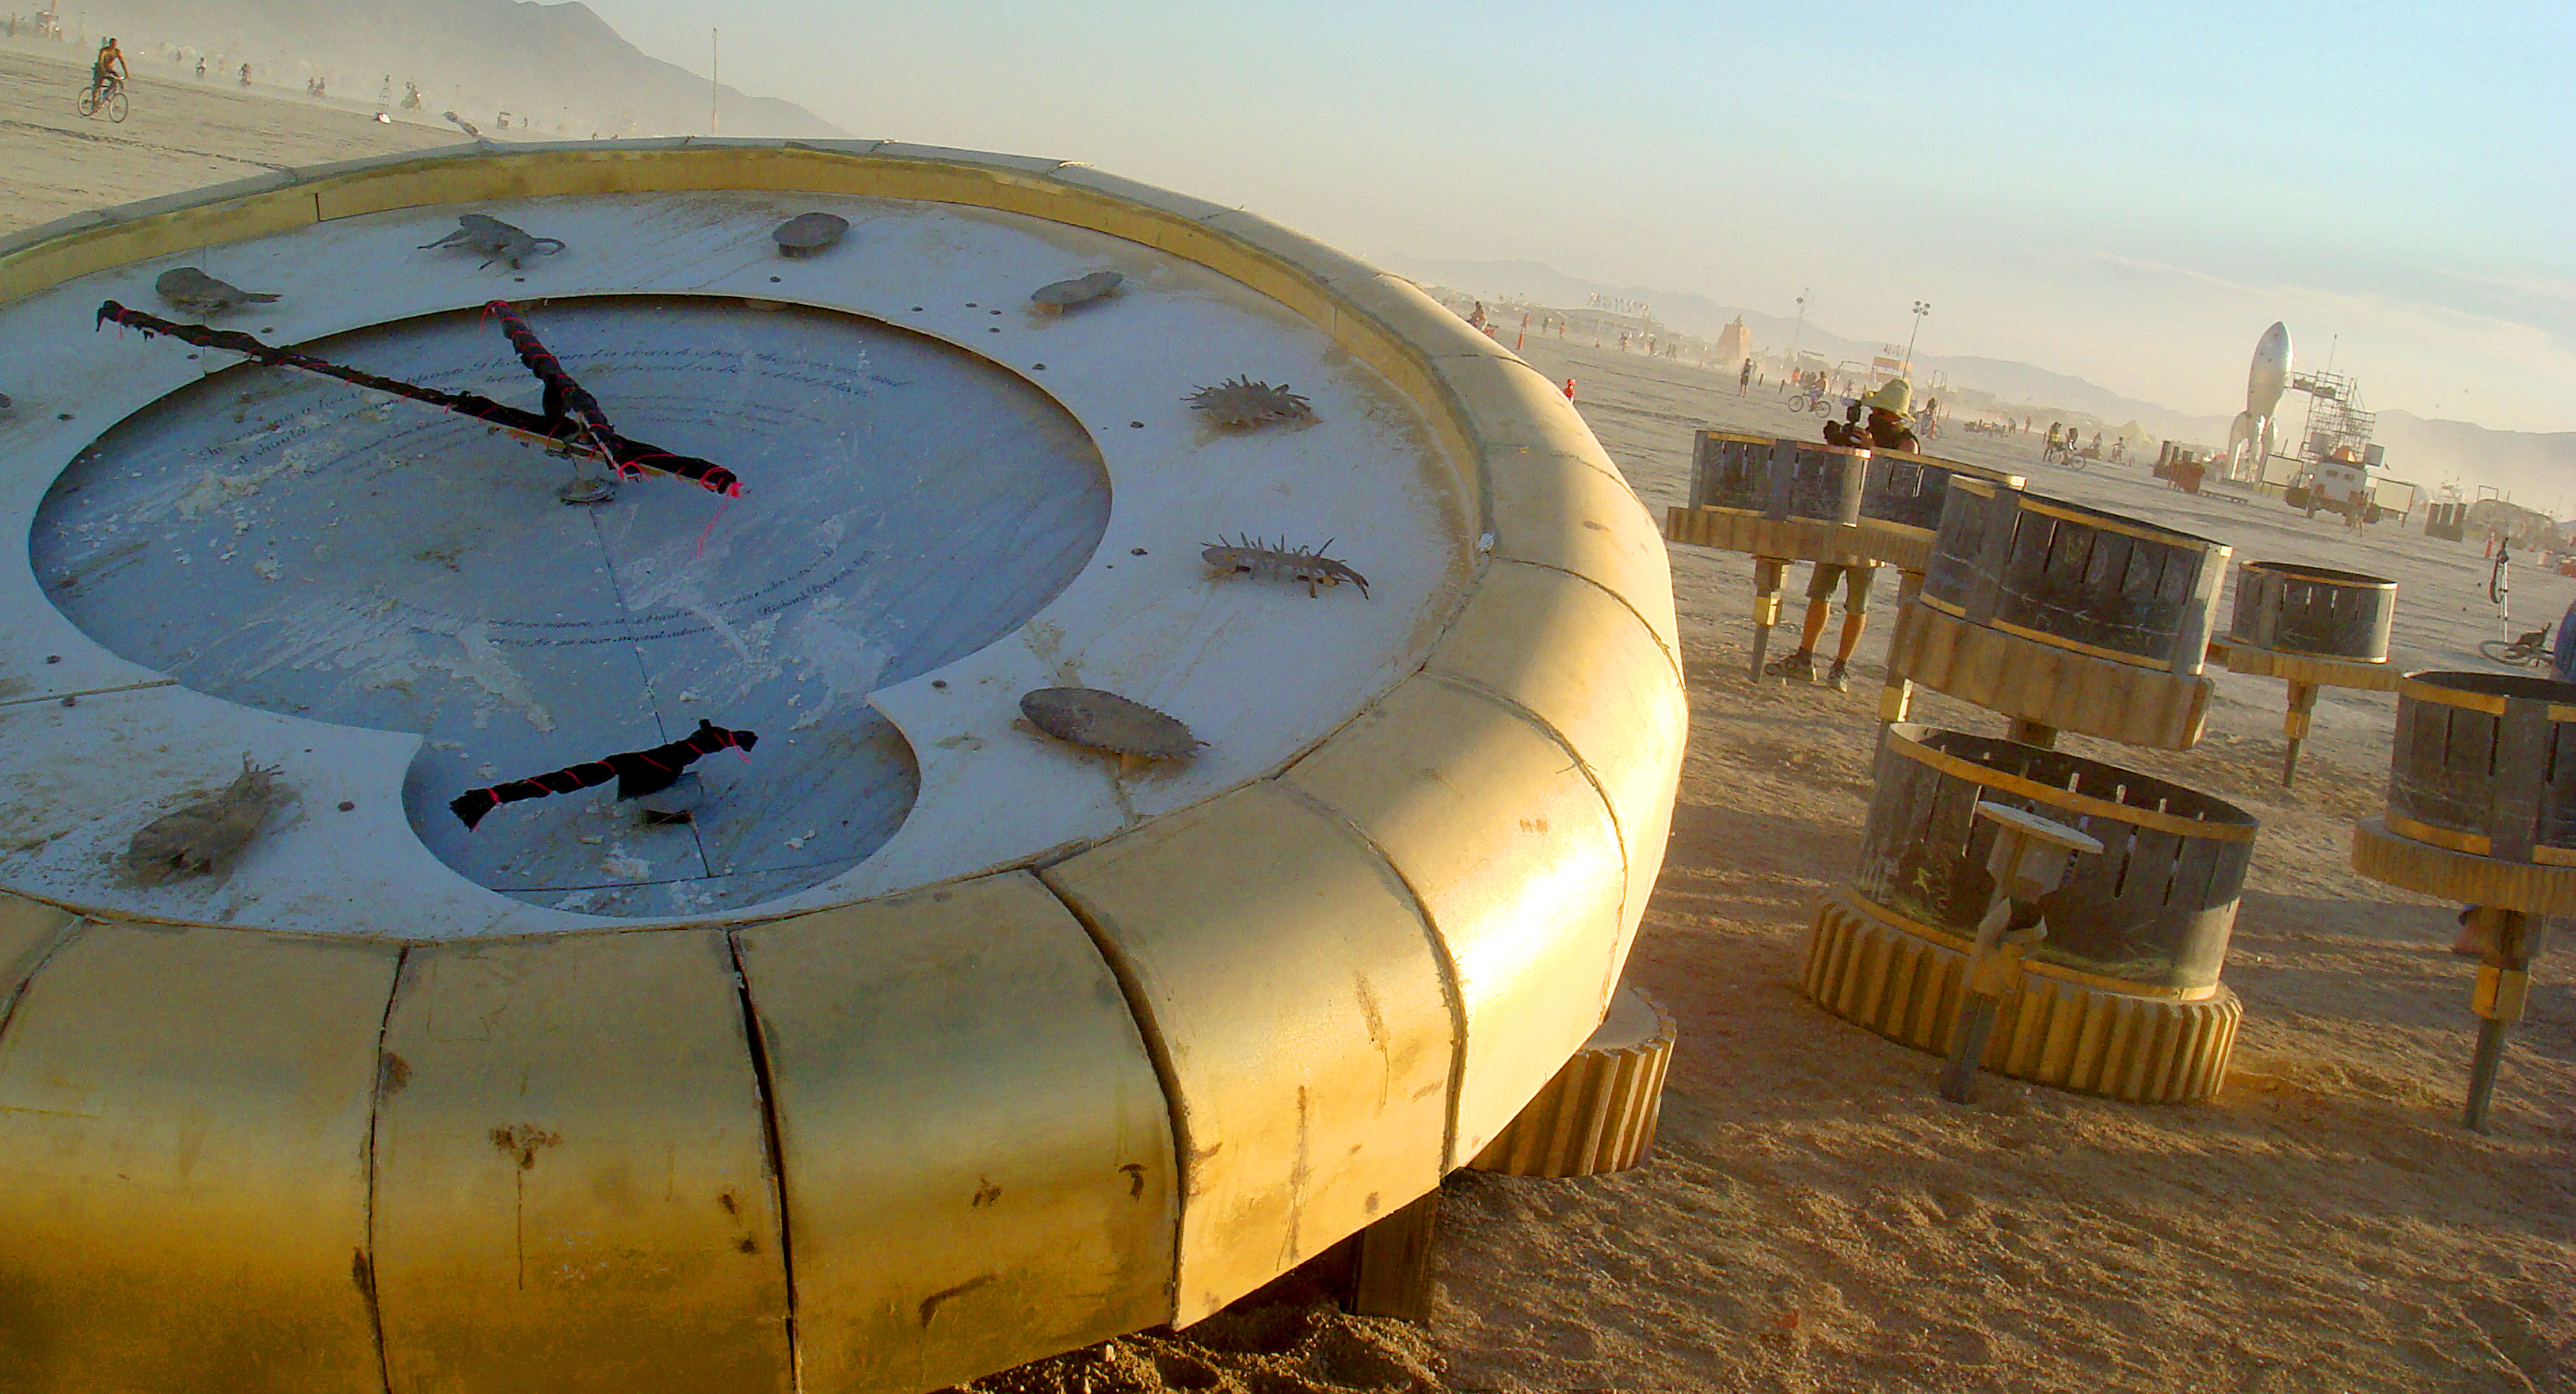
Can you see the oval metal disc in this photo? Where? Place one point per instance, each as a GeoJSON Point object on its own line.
{"type": "Point", "coordinates": [1107, 721]}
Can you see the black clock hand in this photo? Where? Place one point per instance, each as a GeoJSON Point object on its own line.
{"type": "Point", "coordinates": [556, 429]}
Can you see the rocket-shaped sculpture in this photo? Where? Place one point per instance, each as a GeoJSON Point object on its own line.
{"type": "Point", "coordinates": [2249, 441]}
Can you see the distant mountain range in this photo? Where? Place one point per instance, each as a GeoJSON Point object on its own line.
{"type": "Point", "coordinates": [2540, 469]}
{"type": "Point", "coordinates": [559, 67]}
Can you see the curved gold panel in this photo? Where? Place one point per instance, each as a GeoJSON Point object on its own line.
{"type": "Point", "coordinates": [183, 1165]}
{"type": "Point", "coordinates": [978, 1156]}
{"type": "Point", "coordinates": [1515, 858]}
{"type": "Point", "coordinates": [1290, 989]}
{"type": "Point", "coordinates": [1572, 655]}
{"type": "Point", "coordinates": [572, 1191]}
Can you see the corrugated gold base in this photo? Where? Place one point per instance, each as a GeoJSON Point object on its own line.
{"type": "Point", "coordinates": [1781, 539]}
{"type": "Point", "coordinates": [2534, 889]}
{"type": "Point", "coordinates": [1599, 1113]}
{"type": "Point", "coordinates": [2145, 1050]}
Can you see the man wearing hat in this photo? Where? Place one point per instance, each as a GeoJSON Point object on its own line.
{"type": "Point", "coordinates": [1884, 430]}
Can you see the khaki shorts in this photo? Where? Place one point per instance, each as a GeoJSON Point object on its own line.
{"type": "Point", "coordinates": [1855, 581]}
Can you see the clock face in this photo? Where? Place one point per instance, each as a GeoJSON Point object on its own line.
{"type": "Point", "coordinates": [951, 496]}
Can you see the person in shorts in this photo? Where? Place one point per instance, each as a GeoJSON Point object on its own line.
{"type": "Point", "coordinates": [1884, 430]}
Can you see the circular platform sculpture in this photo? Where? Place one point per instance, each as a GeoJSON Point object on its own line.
{"type": "Point", "coordinates": [2482, 810]}
{"type": "Point", "coordinates": [2121, 997]}
{"type": "Point", "coordinates": [1782, 501]}
{"type": "Point", "coordinates": [1599, 1113]}
{"type": "Point", "coordinates": [2311, 626]}
{"type": "Point", "coordinates": [527, 866]}
{"type": "Point", "coordinates": [2064, 618]}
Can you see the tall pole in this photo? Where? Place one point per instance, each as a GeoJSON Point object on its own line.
{"type": "Point", "coordinates": [715, 58]}
{"type": "Point", "coordinates": [1921, 308]}
{"type": "Point", "coordinates": [1801, 331]}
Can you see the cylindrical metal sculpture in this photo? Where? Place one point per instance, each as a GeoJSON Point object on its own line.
{"type": "Point", "coordinates": [1782, 501]}
{"type": "Point", "coordinates": [2122, 997]}
{"type": "Point", "coordinates": [1720, 467]}
{"type": "Point", "coordinates": [2313, 627]}
{"type": "Point", "coordinates": [2485, 763]}
{"type": "Point", "coordinates": [2482, 810]}
{"type": "Point", "coordinates": [2313, 611]}
{"type": "Point", "coordinates": [2064, 617]}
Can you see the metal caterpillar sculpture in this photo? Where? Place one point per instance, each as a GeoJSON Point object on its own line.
{"type": "Point", "coordinates": [1246, 557]}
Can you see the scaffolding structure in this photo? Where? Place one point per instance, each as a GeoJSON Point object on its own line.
{"type": "Point", "coordinates": [2335, 418]}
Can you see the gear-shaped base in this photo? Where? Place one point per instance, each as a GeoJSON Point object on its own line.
{"type": "Point", "coordinates": [1905, 987]}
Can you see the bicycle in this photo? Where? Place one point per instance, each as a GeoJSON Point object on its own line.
{"type": "Point", "coordinates": [1822, 404]}
{"type": "Point", "coordinates": [107, 97]}
{"type": "Point", "coordinates": [2530, 650]}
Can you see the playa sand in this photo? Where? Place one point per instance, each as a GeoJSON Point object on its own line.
{"type": "Point", "coordinates": [1815, 1219]}
{"type": "Point", "coordinates": [182, 134]}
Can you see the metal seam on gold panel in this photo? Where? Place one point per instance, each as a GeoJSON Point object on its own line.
{"type": "Point", "coordinates": [1453, 993]}
{"type": "Point", "coordinates": [1591, 776]}
{"type": "Point", "coordinates": [17, 991]}
{"type": "Point", "coordinates": [1670, 657]}
{"type": "Point", "coordinates": [757, 1045]}
{"type": "Point", "coordinates": [1158, 1052]}
{"type": "Point", "coordinates": [385, 1075]}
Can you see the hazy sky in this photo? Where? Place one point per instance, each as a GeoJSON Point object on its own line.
{"type": "Point", "coordinates": [2127, 192]}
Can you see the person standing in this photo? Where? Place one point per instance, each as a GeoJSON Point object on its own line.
{"type": "Point", "coordinates": [1885, 429]}
{"type": "Point", "coordinates": [1744, 377]}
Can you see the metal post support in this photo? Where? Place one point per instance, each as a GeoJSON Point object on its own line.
{"type": "Point", "coordinates": [586, 486]}
{"type": "Point", "coordinates": [1767, 577]}
{"type": "Point", "coordinates": [2510, 940]}
{"type": "Point", "coordinates": [2030, 859]}
{"type": "Point", "coordinates": [1896, 701]}
{"type": "Point", "coordinates": [2303, 703]}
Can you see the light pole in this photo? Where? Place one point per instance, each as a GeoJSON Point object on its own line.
{"type": "Point", "coordinates": [1921, 308]}
{"type": "Point", "coordinates": [1801, 331]}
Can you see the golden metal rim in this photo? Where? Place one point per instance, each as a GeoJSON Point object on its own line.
{"type": "Point", "coordinates": [2145, 532]}
{"type": "Point", "coordinates": [2079, 646]}
{"type": "Point", "coordinates": [2068, 799]}
{"type": "Point", "coordinates": [2099, 982]}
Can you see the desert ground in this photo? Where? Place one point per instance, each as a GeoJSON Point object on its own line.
{"type": "Point", "coordinates": [1814, 1217]}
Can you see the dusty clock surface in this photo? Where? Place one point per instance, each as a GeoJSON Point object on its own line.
{"type": "Point", "coordinates": [952, 495]}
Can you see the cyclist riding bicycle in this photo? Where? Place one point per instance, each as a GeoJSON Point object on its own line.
{"type": "Point", "coordinates": [108, 67]}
